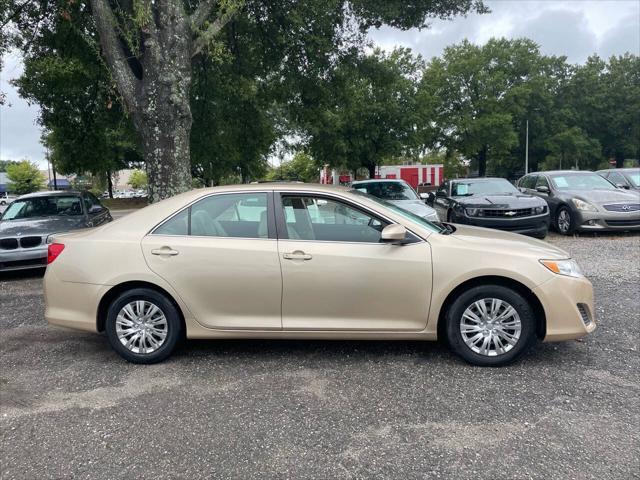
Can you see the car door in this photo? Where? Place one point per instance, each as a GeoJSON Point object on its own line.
{"type": "Point", "coordinates": [97, 214]}
{"type": "Point", "coordinates": [336, 273]}
{"type": "Point", "coordinates": [221, 256]}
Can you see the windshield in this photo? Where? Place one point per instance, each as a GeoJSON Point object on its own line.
{"type": "Point", "coordinates": [581, 181]}
{"type": "Point", "coordinates": [388, 190]}
{"type": "Point", "coordinates": [43, 207]}
{"type": "Point", "coordinates": [434, 227]}
{"type": "Point", "coordinates": [482, 187]}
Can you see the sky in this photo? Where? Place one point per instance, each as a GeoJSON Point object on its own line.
{"type": "Point", "coordinates": [573, 28]}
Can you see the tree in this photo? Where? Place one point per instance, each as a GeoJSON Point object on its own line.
{"type": "Point", "coordinates": [370, 114]}
{"type": "Point", "coordinates": [150, 48]}
{"type": "Point", "coordinates": [572, 148]}
{"type": "Point", "coordinates": [483, 96]}
{"type": "Point", "coordinates": [300, 168]}
{"type": "Point", "coordinates": [5, 163]}
{"type": "Point", "coordinates": [24, 177]}
{"type": "Point", "coordinates": [138, 179]}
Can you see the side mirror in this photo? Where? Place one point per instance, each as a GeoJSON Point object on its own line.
{"type": "Point", "coordinates": [96, 209]}
{"type": "Point", "coordinates": [424, 196]}
{"type": "Point", "coordinates": [394, 233]}
{"type": "Point", "coordinates": [542, 189]}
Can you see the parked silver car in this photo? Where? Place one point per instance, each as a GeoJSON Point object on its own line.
{"type": "Point", "coordinates": [399, 193]}
{"type": "Point", "coordinates": [30, 219]}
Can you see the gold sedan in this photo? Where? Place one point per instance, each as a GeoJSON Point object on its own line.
{"type": "Point", "coordinates": [309, 261]}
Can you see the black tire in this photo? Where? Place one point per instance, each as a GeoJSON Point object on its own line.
{"type": "Point", "coordinates": [173, 323]}
{"type": "Point", "coordinates": [513, 298]}
{"type": "Point", "coordinates": [560, 224]}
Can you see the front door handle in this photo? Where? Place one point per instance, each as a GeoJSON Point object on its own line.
{"type": "Point", "coordinates": [164, 251]}
{"type": "Point", "coordinates": [297, 255]}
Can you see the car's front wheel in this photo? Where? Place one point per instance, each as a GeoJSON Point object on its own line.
{"type": "Point", "coordinates": [490, 325]}
{"type": "Point", "coordinates": [564, 221]}
{"type": "Point", "coordinates": [143, 325]}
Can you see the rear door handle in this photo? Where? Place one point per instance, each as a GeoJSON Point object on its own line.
{"type": "Point", "coordinates": [164, 251]}
{"type": "Point", "coordinates": [297, 255]}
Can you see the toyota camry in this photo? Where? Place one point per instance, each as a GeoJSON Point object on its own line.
{"type": "Point", "coordinates": [310, 262]}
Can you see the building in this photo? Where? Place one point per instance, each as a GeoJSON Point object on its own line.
{"type": "Point", "coordinates": [414, 174]}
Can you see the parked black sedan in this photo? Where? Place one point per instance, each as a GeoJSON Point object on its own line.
{"type": "Point", "coordinates": [584, 201]}
{"type": "Point", "coordinates": [30, 219]}
{"type": "Point", "coordinates": [492, 203]}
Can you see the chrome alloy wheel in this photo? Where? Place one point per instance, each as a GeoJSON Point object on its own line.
{"type": "Point", "coordinates": [141, 327]}
{"type": "Point", "coordinates": [564, 221]}
{"type": "Point", "coordinates": [490, 327]}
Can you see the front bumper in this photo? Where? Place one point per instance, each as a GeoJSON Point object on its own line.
{"type": "Point", "coordinates": [536, 226]}
{"type": "Point", "coordinates": [23, 258]}
{"type": "Point", "coordinates": [568, 306]}
{"type": "Point", "coordinates": [607, 221]}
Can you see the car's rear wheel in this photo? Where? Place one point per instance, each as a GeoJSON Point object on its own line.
{"type": "Point", "coordinates": [564, 221]}
{"type": "Point", "coordinates": [490, 325]}
{"type": "Point", "coordinates": [143, 326]}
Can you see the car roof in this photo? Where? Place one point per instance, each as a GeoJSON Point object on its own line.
{"type": "Point", "coordinates": [559, 172]}
{"type": "Point", "coordinates": [476, 179]}
{"type": "Point", "coordinates": [379, 180]}
{"type": "Point", "coordinates": [50, 193]}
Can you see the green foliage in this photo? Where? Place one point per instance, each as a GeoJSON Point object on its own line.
{"type": "Point", "coordinates": [300, 168]}
{"type": "Point", "coordinates": [371, 113]}
{"type": "Point", "coordinates": [571, 148]}
{"type": "Point", "coordinates": [24, 177]}
{"type": "Point", "coordinates": [138, 179]}
{"type": "Point", "coordinates": [5, 163]}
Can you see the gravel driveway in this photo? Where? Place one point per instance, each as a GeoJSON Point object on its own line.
{"type": "Point", "coordinates": [71, 408]}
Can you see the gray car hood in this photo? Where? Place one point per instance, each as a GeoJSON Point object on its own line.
{"type": "Point", "coordinates": [414, 206]}
{"type": "Point", "coordinates": [40, 226]}
{"type": "Point", "coordinates": [601, 197]}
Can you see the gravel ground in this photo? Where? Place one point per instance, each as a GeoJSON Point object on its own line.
{"type": "Point", "coordinates": [70, 408]}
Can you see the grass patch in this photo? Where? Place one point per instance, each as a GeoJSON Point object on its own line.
{"type": "Point", "coordinates": [124, 203]}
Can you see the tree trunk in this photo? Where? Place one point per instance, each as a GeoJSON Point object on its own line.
{"type": "Point", "coordinates": [482, 162]}
{"type": "Point", "coordinates": [619, 160]}
{"type": "Point", "coordinates": [109, 184]}
{"type": "Point", "coordinates": [372, 170]}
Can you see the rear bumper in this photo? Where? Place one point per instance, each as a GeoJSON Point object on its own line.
{"type": "Point", "coordinates": [607, 221]}
{"type": "Point", "coordinates": [569, 308]}
{"type": "Point", "coordinates": [72, 305]}
{"type": "Point", "coordinates": [536, 226]}
{"type": "Point", "coordinates": [22, 259]}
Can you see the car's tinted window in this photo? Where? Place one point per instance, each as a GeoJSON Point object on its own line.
{"type": "Point", "coordinates": [177, 225]}
{"type": "Point", "coordinates": [324, 219]}
{"type": "Point", "coordinates": [239, 215]}
{"type": "Point", "coordinates": [529, 181]}
{"type": "Point", "coordinates": [66, 205]}
{"type": "Point", "coordinates": [242, 215]}
{"type": "Point", "coordinates": [388, 190]}
{"type": "Point", "coordinates": [542, 181]}
{"type": "Point", "coordinates": [616, 178]}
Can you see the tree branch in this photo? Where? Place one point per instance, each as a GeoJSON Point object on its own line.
{"type": "Point", "coordinates": [200, 15]}
{"type": "Point", "coordinates": [214, 28]}
{"type": "Point", "coordinates": [114, 53]}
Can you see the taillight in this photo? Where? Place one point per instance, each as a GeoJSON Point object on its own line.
{"type": "Point", "coordinates": [54, 250]}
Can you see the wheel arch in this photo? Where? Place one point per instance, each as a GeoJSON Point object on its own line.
{"type": "Point", "coordinates": [113, 292]}
{"type": "Point", "coordinates": [538, 309]}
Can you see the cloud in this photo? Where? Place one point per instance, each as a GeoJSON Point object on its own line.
{"type": "Point", "coordinates": [624, 38]}
{"type": "Point", "coordinates": [19, 131]}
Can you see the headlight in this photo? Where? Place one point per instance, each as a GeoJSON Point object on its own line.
{"type": "Point", "coordinates": [582, 205]}
{"type": "Point", "coordinates": [539, 210]}
{"type": "Point", "coordinates": [563, 267]}
{"type": "Point", "coordinates": [475, 212]}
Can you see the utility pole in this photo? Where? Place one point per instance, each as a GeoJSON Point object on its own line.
{"type": "Point", "coordinates": [526, 151]}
